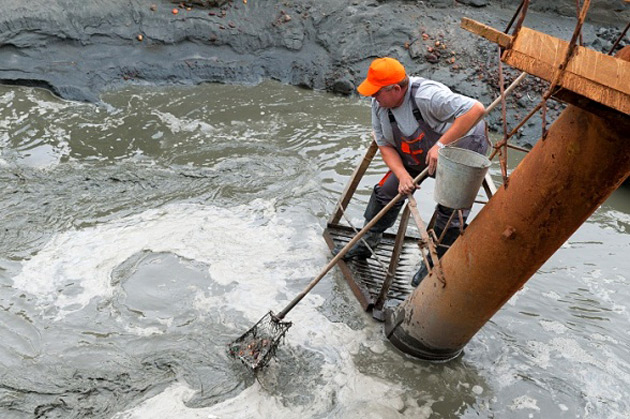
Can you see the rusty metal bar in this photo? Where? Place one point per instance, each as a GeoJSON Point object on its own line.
{"type": "Point", "coordinates": [518, 10]}
{"type": "Point", "coordinates": [584, 159]}
{"type": "Point", "coordinates": [515, 129]}
{"type": "Point", "coordinates": [623, 33]}
{"type": "Point", "coordinates": [519, 24]}
{"type": "Point", "coordinates": [577, 7]}
{"type": "Point", "coordinates": [503, 151]}
{"type": "Point", "coordinates": [508, 90]}
{"type": "Point", "coordinates": [559, 72]}
{"type": "Point", "coordinates": [514, 147]}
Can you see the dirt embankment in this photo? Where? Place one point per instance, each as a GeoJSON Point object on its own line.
{"type": "Point", "coordinates": [77, 48]}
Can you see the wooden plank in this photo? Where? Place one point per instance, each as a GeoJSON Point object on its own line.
{"type": "Point", "coordinates": [366, 278]}
{"type": "Point", "coordinates": [488, 186]}
{"type": "Point", "coordinates": [590, 75]}
{"type": "Point", "coordinates": [393, 263]}
{"type": "Point", "coordinates": [351, 187]}
{"type": "Point", "coordinates": [594, 75]}
{"type": "Point", "coordinates": [362, 295]}
{"type": "Point", "coordinates": [487, 32]}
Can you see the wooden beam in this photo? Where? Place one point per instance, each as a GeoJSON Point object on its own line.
{"type": "Point", "coordinates": [393, 265]}
{"type": "Point", "coordinates": [594, 75]}
{"type": "Point", "coordinates": [592, 80]}
{"type": "Point", "coordinates": [351, 187]}
{"type": "Point", "coordinates": [485, 31]}
{"type": "Point", "coordinates": [488, 186]}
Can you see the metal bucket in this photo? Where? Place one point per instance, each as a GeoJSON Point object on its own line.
{"type": "Point", "coordinates": [458, 177]}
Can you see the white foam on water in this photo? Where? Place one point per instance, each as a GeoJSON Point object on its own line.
{"type": "Point", "coordinates": [591, 370]}
{"type": "Point", "coordinates": [178, 125]}
{"type": "Point", "coordinates": [598, 284]}
{"type": "Point", "coordinates": [256, 252]}
{"type": "Point", "coordinates": [524, 402]}
{"type": "Point", "coordinates": [551, 295]}
{"type": "Point", "coordinates": [604, 338]}
{"type": "Point", "coordinates": [355, 395]}
{"type": "Point", "coordinates": [347, 393]}
{"type": "Point", "coordinates": [168, 404]}
{"type": "Point", "coordinates": [541, 354]}
{"type": "Point", "coordinates": [553, 326]}
{"type": "Point", "coordinates": [45, 104]}
{"type": "Point", "coordinates": [615, 216]}
{"type": "Point", "coordinates": [236, 246]}
{"type": "Point", "coordinates": [503, 371]}
{"type": "Point", "coordinates": [7, 97]}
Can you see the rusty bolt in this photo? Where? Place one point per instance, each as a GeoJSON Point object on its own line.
{"type": "Point", "coordinates": [509, 233]}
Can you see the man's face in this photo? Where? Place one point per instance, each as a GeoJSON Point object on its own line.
{"type": "Point", "coordinates": [389, 96]}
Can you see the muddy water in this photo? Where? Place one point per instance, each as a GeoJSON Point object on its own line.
{"type": "Point", "coordinates": [140, 236]}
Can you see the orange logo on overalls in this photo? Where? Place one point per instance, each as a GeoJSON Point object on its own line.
{"type": "Point", "coordinates": [404, 145]}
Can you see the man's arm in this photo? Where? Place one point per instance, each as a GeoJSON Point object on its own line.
{"type": "Point", "coordinates": [394, 162]}
{"type": "Point", "coordinates": [460, 127]}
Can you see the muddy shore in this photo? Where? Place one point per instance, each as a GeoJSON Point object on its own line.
{"type": "Point", "coordinates": [79, 49]}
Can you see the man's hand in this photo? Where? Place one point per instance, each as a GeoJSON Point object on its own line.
{"type": "Point", "coordinates": [431, 159]}
{"type": "Point", "coordinates": [395, 164]}
{"type": "Point", "coordinates": [406, 185]}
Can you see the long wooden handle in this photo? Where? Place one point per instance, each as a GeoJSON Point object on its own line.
{"type": "Point", "coordinates": [348, 246]}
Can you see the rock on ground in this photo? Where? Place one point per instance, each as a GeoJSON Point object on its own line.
{"type": "Point", "coordinates": [79, 48]}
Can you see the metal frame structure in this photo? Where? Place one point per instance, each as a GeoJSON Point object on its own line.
{"type": "Point", "coordinates": [572, 169]}
{"type": "Point", "coordinates": [384, 279]}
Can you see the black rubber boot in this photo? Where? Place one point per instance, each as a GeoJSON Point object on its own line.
{"type": "Point", "coordinates": [449, 238]}
{"type": "Point", "coordinates": [360, 250]}
{"type": "Point", "coordinates": [374, 235]}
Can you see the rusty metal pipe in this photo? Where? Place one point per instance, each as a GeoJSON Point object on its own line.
{"type": "Point", "coordinates": [557, 186]}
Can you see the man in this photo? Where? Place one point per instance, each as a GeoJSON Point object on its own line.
{"type": "Point", "coordinates": [412, 118]}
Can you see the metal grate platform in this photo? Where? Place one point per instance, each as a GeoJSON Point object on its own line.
{"type": "Point", "coordinates": [366, 276]}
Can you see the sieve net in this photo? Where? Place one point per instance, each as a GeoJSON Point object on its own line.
{"type": "Point", "coordinates": [257, 346]}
